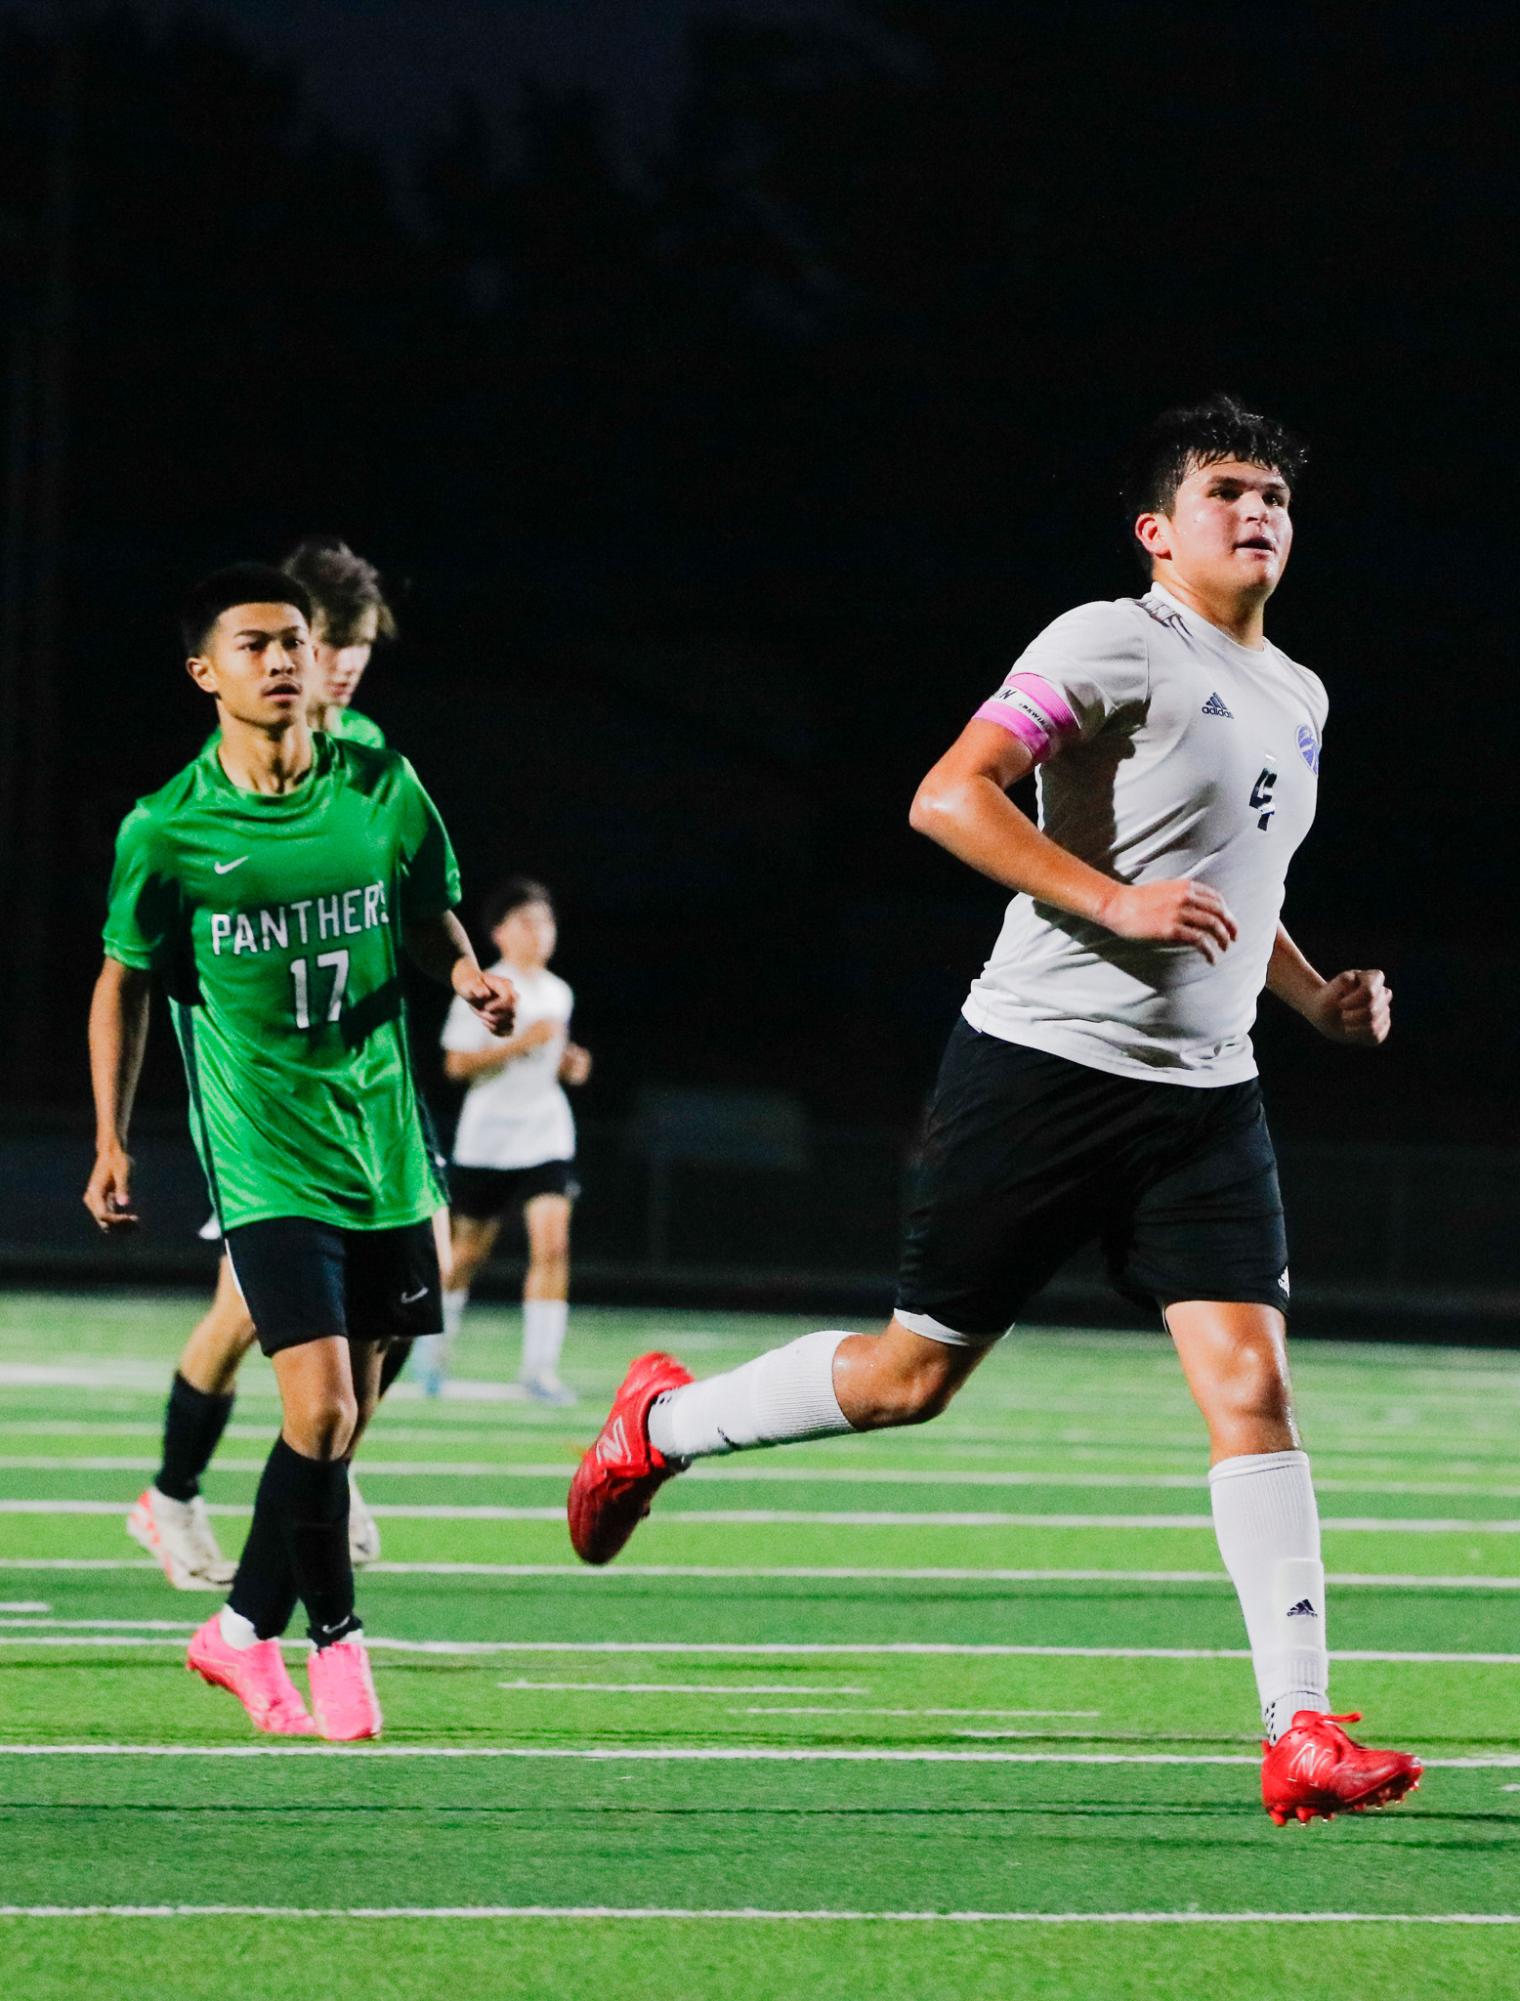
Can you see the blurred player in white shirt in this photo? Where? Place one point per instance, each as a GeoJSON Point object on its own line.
{"type": "Point", "coordinates": [515, 1146]}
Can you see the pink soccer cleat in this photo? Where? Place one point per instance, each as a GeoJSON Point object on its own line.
{"type": "Point", "coordinates": [343, 1698]}
{"type": "Point", "coordinates": [256, 1675]}
{"type": "Point", "coordinates": [619, 1477]}
{"type": "Point", "coordinates": [1315, 1768]}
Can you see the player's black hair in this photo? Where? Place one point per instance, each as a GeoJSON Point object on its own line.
{"type": "Point", "coordinates": [509, 895]}
{"type": "Point", "coordinates": [1201, 434]}
{"type": "Point", "coordinates": [343, 588]}
{"type": "Point", "coordinates": [239, 583]}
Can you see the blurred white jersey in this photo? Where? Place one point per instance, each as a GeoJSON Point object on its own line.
{"type": "Point", "coordinates": [1173, 752]}
{"type": "Point", "coordinates": [518, 1116]}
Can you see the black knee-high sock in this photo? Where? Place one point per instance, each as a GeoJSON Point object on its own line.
{"type": "Point", "coordinates": [194, 1422]}
{"type": "Point", "coordinates": [264, 1590]}
{"type": "Point", "coordinates": [316, 1535]}
{"type": "Point", "coordinates": [392, 1362]}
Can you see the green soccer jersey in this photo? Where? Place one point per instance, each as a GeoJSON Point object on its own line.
{"type": "Point", "coordinates": [355, 728]}
{"type": "Point", "coordinates": [275, 922]}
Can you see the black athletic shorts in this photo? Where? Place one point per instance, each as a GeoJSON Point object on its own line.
{"type": "Point", "coordinates": [302, 1280]}
{"type": "Point", "coordinates": [484, 1193]}
{"type": "Point", "coordinates": [1027, 1157]}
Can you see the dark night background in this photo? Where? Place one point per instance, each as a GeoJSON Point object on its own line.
{"type": "Point", "coordinates": [728, 395]}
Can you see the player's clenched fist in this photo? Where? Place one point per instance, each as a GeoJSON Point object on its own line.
{"type": "Point", "coordinates": [108, 1197]}
{"type": "Point", "coordinates": [1354, 1007]}
{"type": "Point", "coordinates": [493, 997]}
{"type": "Point", "coordinates": [1173, 913]}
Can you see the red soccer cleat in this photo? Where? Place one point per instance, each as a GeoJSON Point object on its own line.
{"type": "Point", "coordinates": [1315, 1768]}
{"type": "Point", "coordinates": [619, 1477]}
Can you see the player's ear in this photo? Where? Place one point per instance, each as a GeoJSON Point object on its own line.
{"type": "Point", "coordinates": [202, 673]}
{"type": "Point", "coordinates": [1153, 533]}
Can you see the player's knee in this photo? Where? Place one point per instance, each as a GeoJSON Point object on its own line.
{"type": "Point", "coordinates": [328, 1425]}
{"type": "Point", "coordinates": [918, 1393]}
{"type": "Point", "coordinates": [1255, 1384]}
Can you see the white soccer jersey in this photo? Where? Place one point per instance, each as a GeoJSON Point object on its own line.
{"type": "Point", "coordinates": [1173, 752]}
{"type": "Point", "coordinates": [518, 1116]}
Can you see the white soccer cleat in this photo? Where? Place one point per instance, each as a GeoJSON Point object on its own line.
{"type": "Point", "coordinates": [363, 1529]}
{"type": "Point", "coordinates": [179, 1537]}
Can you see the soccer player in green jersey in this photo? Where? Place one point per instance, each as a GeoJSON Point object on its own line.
{"type": "Point", "coordinates": [168, 1519]}
{"type": "Point", "coordinates": [270, 887]}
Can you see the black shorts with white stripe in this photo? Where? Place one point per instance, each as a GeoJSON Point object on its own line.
{"type": "Point", "coordinates": [1028, 1157]}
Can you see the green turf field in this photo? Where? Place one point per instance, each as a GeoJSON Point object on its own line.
{"type": "Point", "coordinates": [959, 1712]}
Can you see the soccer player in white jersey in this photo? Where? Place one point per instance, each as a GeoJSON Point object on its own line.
{"type": "Point", "coordinates": [1100, 1084]}
{"type": "Point", "coordinates": [169, 1519]}
{"type": "Point", "coordinates": [515, 1147]}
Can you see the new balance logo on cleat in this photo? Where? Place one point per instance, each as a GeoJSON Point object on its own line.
{"type": "Point", "coordinates": [1214, 706]}
{"type": "Point", "coordinates": [1302, 1610]}
{"type": "Point", "coordinates": [613, 1443]}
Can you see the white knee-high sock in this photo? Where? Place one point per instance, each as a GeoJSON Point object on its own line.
{"type": "Point", "coordinates": [544, 1322]}
{"type": "Point", "coordinates": [1267, 1523]}
{"type": "Point", "coordinates": [782, 1396]}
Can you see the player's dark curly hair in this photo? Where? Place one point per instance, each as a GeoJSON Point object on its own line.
{"type": "Point", "coordinates": [343, 586]}
{"type": "Point", "coordinates": [509, 895]}
{"type": "Point", "coordinates": [239, 583]}
{"type": "Point", "coordinates": [1200, 434]}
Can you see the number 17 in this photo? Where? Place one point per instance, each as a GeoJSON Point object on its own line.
{"type": "Point", "coordinates": [298, 973]}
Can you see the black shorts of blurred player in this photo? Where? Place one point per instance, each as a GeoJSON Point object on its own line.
{"type": "Point", "coordinates": [1027, 1158]}
{"type": "Point", "coordinates": [490, 1194]}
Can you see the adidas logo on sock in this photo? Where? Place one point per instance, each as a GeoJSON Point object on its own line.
{"type": "Point", "coordinates": [1302, 1610]}
{"type": "Point", "coordinates": [1215, 707]}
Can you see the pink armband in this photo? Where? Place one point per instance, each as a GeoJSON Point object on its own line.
{"type": "Point", "coordinates": [1031, 710]}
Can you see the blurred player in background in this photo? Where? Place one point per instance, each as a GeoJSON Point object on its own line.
{"type": "Point", "coordinates": [1100, 1085]}
{"type": "Point", "coordinates": [271, 886]}
{"type": "Point", "coordinates": [350, 616]}
{"type": "Point", "coordinates": [515, 1146]}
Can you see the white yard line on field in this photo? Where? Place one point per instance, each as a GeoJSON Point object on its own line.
{"type": "Point", "coordinates": [752, 1914]}
{"type": "Point", "coordinates": [377, 1469]}
{"type": "Point", "coordinates": [700, 1754]}
{"type": "Point", "coordinates": [885, 1573]}
{"type": "Point", "coordinates": [166, 1632]}
{"type": "Point", "coordinates": [836, 1518]}
{"type": "Point", "coordinates": [850, 1709]}
{"type": "Point", "coordinates": [683, 1688]}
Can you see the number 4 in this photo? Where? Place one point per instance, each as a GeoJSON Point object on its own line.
{"type": "Point", "coordinates": [1261, 796]}
{"type": "Point", "coordinates": [339, 962]}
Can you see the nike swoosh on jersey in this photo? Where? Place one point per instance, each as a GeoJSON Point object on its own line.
{"type": "Point", "coordinates": [226, 868]}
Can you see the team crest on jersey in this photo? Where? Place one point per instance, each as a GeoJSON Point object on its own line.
{"type": "Point", "coordinates": [1309, 747]}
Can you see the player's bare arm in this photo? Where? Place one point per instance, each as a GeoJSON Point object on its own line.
{"type": "Point", "coordinates": [441, 947]}
{"type": "Point", "coordinates": [1354, 1008]}
{"type": "Point", "coordinates": [464, 1066]}
{"type": "Point", "coordinates": [963, 805]}
{"type": "Point", "coordinates": [118, 1036]}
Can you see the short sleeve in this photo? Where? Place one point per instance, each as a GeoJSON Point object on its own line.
{"type": "Point", "coordinates": [1086, 671]}
{"type": "Point", "coordinates": [429, 872]}
{"type": "Point", "coordinates": [143, 906]}
{"type": "Point", "coordinates": [463, 1030]}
